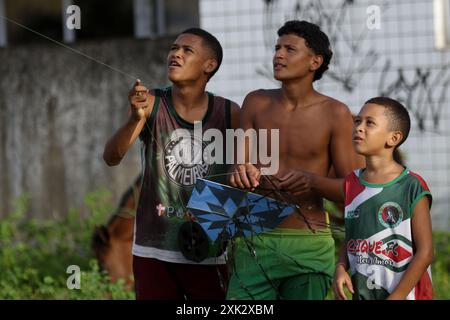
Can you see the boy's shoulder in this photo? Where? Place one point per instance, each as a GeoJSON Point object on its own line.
{"type": "Point", "coordinates": [233, 104]}
{"type": "Point", "coordinates": [414, 177]}
{"type": "Point", "coordinates": [354, 175]}
{"type": "Point", "coordinates": [334, 106]}
{"type": "Point", "coordinates": [259, 100]}
{"type": "Point", "coordinates": [408, 177]}
{"type": "Point", "coordinates": [261, 95]}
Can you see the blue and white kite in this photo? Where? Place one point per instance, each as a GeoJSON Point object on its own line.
{"type": "Point", "coordinates": [230, 212]}
{"type": "Point", "coordinates": [221, 213]}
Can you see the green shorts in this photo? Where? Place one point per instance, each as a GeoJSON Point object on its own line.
{"type": "Point", "coordinates": [282, 264]}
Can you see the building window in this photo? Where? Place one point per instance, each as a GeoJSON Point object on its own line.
{"type": "Point", "coordinates": [154, 18]}
{"type": "Point", "coordinates": [100, 19]}
{"type": "Point", "coordinates": [42, 16]}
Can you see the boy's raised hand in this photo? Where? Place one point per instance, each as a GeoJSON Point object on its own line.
{"type": "Point", "coordinates": [139, 100]}
{"type": "Point", "coordinates": [341, 279]}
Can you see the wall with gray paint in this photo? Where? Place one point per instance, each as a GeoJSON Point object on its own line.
{"type": "Point", "coordinates": [57, 110]}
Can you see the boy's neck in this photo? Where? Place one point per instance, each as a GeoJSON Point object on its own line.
{"type": "Point", "coordinates": [298, 92]}
{"type": "Point", "coordinates": [381, 168]}
{"type": "Point", "coordinates": [186, 97]}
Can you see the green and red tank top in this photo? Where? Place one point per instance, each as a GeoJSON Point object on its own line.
{"type": "Point", "coordinates": [173, 159]}
{"type": "Point", "coordinates": [378, 234]}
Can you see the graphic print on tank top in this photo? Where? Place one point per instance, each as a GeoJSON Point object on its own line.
{"type": "Point", "coordinates": [171, 164]}
{"type": "Point", "coordinates": [184, 159]}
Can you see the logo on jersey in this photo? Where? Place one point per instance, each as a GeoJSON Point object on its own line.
{"type": "Point", "coordinates": [184, 160]}
{"type": "Point", "coordinates": [352, 214]}
{"type": "Point", "coordinates": [398, 249]}
{"type": "Point", "coordinates": [390, 214]}
{"type": "Point", "coordinates": [393, 251]}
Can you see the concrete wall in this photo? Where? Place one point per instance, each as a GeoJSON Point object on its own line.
{"type": "Point", "coordinates": [57, 110]}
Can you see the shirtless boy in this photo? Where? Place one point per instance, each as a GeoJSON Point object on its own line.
{"type": "Point", "coordinates": [295, 260]}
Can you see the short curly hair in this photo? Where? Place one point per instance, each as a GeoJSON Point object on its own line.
{"type": "Point", "coordinates": [315, 39]}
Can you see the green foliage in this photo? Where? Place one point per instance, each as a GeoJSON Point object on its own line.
{"type": "Point", "coordinates": [35, 254]}
{"type": "Point", "coordinates": [441, 267]}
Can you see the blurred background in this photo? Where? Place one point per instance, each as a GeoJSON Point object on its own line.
{"type": "Point", "coordinates": [59, 103]}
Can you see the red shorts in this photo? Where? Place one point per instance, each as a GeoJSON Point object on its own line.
{"type": "Point", "coordinates": [161, 280]}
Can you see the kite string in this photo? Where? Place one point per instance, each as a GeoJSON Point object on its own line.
{"type": "Point", "coordinates": [292, 200]}
{"type": "Point", "coordinates": [297, 207]}
{"type": "Point", "coordinates": [285, 194]}
{"type": "Point", "coordinates": [232, 261]}
{"type": "Point", "coordinates": [252, 250]}
{"type": "Point", "coordinates": [115, 70]}
{"type": "Point", "coordinates": [136, 77]}
{"type": "Point", "coordinates": [99, 62]}
{"type": "Point", "coordinates": [70, 48]}
{"type": "Point", "coordinates": [104, 64]}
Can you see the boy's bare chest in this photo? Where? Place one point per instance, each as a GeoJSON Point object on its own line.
{"type": "Point", "coordinates": [305, 133]}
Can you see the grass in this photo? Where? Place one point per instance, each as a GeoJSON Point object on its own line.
{"type": "Point", "coordinates": [35, 254]}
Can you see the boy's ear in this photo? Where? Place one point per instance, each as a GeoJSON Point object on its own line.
{"type": "Point", "coordinates": [395, 138]}
{"type": "Point", "coordinates": [210, 65]}
{"type": "Point", "coordinates": [316, 62]}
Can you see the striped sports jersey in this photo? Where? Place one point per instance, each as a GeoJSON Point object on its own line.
{"type": "Point", "coordinates": [173, 159]}
{"type": "Point", "coordinates": [378, 234]}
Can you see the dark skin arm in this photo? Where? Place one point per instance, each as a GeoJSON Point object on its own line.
{"type": "Point", "coordinates": [235, 112]}
{"type": "Point", "coordinates": [245, 176]}
{"type": "Point", "coordinates": [343, 154]}
{"type": "Point", "coordinates": [141, 104]}
{"type": "Point", "coordinates": [341, 277]}
{"type": "Point", "coordinates": [423, 256]}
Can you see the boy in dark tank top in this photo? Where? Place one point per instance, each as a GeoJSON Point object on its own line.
{"type": "Point", "coordinates": [163, 119]}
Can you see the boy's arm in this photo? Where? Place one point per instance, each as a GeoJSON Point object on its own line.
{"type": "Point", "coordinates": [423, 256]}
{"type": "Point", "coordinates": [341, 277]}
{"type": "Point", "coordinates": [343, 155]}
{"type": "Point", "coordinates": [243, 174]}
{"type": "Point", "coordinates": [342, 257]}
{"type": "Point", "coordinates": [234, 110]}
{"type": "Point", "coordinates": [141, 105]}
{"type": "Point", "coordinates": [331, 189]}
